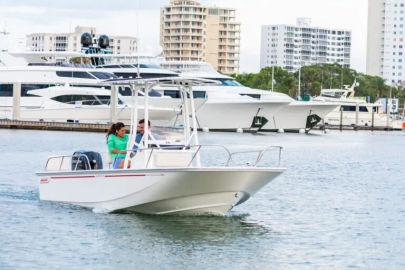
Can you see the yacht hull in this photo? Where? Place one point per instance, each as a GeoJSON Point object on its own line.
{"type": "Point", "coordinates": [293, 117]}
{"type": "Point", "coordinates": [222, 115]}
{"type": "Point", "coordinates": [90, 114]}
{"type": "Point", "coordinates": [202, 191]}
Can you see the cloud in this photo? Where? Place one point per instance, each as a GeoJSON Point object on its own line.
{"type": "Point", "coordinates": [142, 19]}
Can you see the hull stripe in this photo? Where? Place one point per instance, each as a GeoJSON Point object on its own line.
{"type": "Point", "coordinates": [106, 176]}
{"type": "Point", "coordinates": [123, 175]}
{"type": "Point", "coordinates": [73, 177]}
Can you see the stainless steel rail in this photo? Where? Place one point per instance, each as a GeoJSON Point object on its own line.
{"type": "Point", "coordinates": [62, 159]}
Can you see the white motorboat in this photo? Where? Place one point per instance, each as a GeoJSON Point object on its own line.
{"type": "Point", "coordinates": [217, 101]}
{"type": "Point", "coordinates": [71, 94]}
{"type": "Point", "coordinates": [277, 111]}
{"type": "Point", "coordinates": [165, 176]}
{"type": "Point", "coordinates": [353, 111]}
{"type": "Point", "coordinates": [243, 111]}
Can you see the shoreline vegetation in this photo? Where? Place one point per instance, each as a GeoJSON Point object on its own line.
{"type": "Point", "coordinates": [321, 76]}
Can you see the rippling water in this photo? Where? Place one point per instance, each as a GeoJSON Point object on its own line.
{"type": "Point", "coordinates": [341, 204]}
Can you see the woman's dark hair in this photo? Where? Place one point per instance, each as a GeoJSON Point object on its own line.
{"type": "Point", "coordinates": [114, 128]}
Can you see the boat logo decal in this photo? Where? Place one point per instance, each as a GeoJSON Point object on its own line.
{"type": "Point", "coordinates": [44, 181]}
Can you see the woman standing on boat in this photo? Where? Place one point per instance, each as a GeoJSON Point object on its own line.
{"type": "Point", "coordinates": [117, 141]}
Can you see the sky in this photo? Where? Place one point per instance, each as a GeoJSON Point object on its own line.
{"type": "Point", "coordinates": [141, 18]}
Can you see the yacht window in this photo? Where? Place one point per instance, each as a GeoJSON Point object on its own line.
{"type": "Point", "coordinates": [176, 94]}
{"type": "Point", "coordinates": [127, 66]}
{"type": "Point", "coordinates": [85, 99]}
{"type": "Point", "coordinates": [74, 74]}
{"type": "Point", "coordinates": [27, 87]}
{"type": "Point", "coordinates": [332, 94]}
{"type": "Point", "coordinates": [109, 66]}
{"type": "Point", "coordinates": [127, 75]}
{"type": "Point", "coordinates": [91, 86]}
{"type": "Point", "coordinates": [349, 108]}
{"type": "Point", "coordinates": [172, 93]}
{"type": "Point", "coordinates": [124, 91]}
{"type": "Point", "coordinates": [199, 94]}
{"type": "Point", "coordinates": [157, 75]}
{"type": "Point", "coordinates": [252, 95]}
{"type": "Point", "coordinates": [6, 90]}
{"type": "Point", "coordinates": [226, 82]}
{"type": "Point", "coordinates": [363, 109]}
{"type": "Point", "coordinates": [147, 66]}
{"type": "Point", "coordinates": [103, 75]}
{"type": "Point", "coordinates": [154, 93]}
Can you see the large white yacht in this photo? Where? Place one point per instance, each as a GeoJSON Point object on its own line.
{"type": "Point", "coordinates": [70, 94]}
{"type": "Point", "coordinates": [226, 107]}
{"type": "Point", "coordinates": [291, 116]}
{"type": "Point", "coordinates": [217, 110]}
{"type": "Point", "coordinates": [222, 110]}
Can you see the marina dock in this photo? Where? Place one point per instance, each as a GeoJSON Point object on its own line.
{"type": "Point", "coordinates": [102, 128]}
{"type": "Point", "coordinates": [39, 125]}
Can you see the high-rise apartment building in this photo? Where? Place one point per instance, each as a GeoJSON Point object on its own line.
{"type": "Point", "coordinates": [71, 41]}
{"type": "Point", "coordinates": [385, 40]}
{"type": "Point", "coordinates": [294, 46]}
{"type": "Point", "coordinates": [192, 32]}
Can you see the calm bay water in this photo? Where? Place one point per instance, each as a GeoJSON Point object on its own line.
{"type": "Point", "coordinates": [341, 204]}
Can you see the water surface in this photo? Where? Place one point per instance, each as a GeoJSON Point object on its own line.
{"type": "Point", "coordinates": [340, 204]}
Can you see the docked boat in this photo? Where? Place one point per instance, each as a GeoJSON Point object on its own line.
{"type": "Point", "coordinates": [276, 111]}
{"type": "Point", "coordinates": [353, 111]}
{"type": "Point", "coordinates": [70, 94]}
{"type": "Point", "coordinates": [209, 102]}
{"type": "Point", "coordinates": [165, 176]}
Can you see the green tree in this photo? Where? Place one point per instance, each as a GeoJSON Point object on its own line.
{"type": "Point", "coordinates": [321, 76]}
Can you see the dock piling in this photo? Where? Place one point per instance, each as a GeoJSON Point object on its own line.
{"type": "Point", "coordinates": [16, 101]}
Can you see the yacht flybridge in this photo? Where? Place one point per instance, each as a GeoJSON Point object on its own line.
{"type": "Point", "coordinates": [165, 176]}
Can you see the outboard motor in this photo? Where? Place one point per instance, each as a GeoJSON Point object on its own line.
{"type": "Point", "coordinates": [103, 42]}
{"type": "Point", "coordinates": [84, 160]}
{"type": "Point", "coordinates": [101, 47]}
{"type": "Point", "coordinates": [86, 40]}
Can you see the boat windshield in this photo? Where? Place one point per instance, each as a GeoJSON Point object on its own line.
{"type": "Point", "coordinates": [226, 81]}
{"type": "Point", "coordinates": [130, 66]}
{"type": "Point", "coordinates": [103, 75]}
{"type": "Point", "coordinates": [332, 94]}
{"type": "Point", "coordinates": [85, 99]}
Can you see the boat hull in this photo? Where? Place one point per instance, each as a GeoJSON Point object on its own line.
{"type": "Point", "coordinates": [180, 192]}
{"type": "Point", "coordinates": [225, 115]}
{"type": "Point", "coordinates": [293, 117]}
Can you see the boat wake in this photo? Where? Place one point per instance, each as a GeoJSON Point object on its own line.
{"type": "Point", "coordinates": [101, 211]}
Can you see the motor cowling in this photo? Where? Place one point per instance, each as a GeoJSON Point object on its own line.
{"type": "Point", "coordinates": [103, 41]}
{"type": "Point", "coordinates": [86, 40]}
